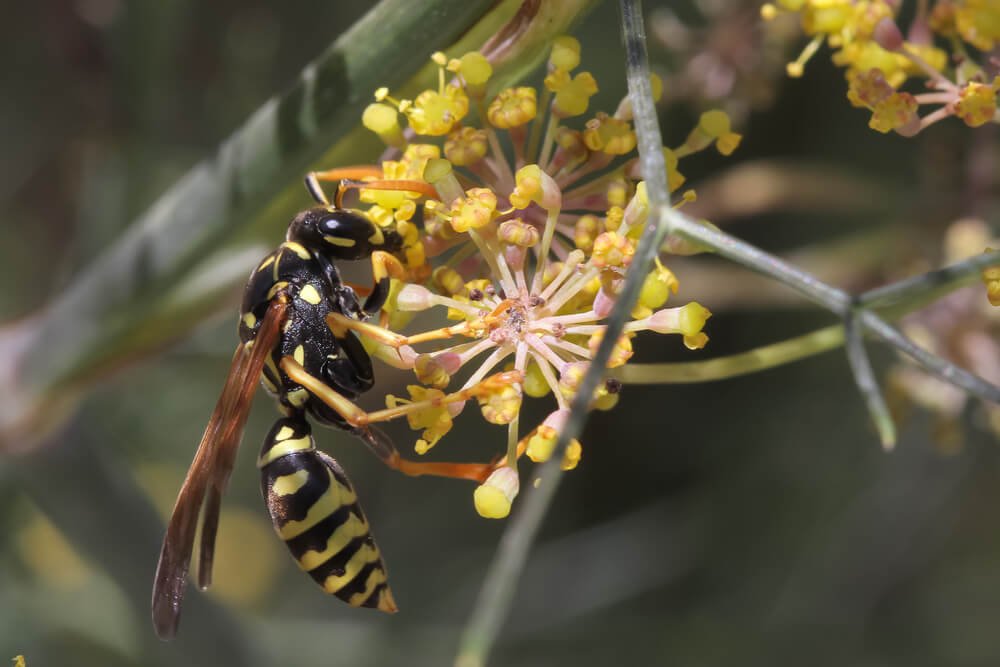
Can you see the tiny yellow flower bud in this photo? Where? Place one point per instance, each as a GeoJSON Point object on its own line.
{"type": "Point", "coordinates": [613, 218]}
{"type": "Point", "coordinates": [991, 278]}
{"type": "Point", "coordinates": [383, 120]}
{"type": "Point", "coordinates": [430, 371]}
{"type": "Point", "coordinates": [448, 280]}
{"type": "Point", "coordinates": [535, 185]}
{"type": "Point", "coordinates": [493, 497]}
{"type": "Point", "coordinates": [675, 179]}
{"type": "Point", "coordinates": [513, 107]}
{"type": "Point", "coordinates": [692, 318]}
{"type": "Point", "coordinates": [899, 110]}
{"type": "Point", "coordinates": [572, 94]}
{"type": "Point", "coordinates": [657, 286]}
{"type": "Point", "coordinates": [466, 146]}
{"type": "Point", "coordinates": [501, 405]}
{"type": "Point", "coordinates": [609, 135]}
{"type": "Point", "coordinates": [795, 70]}
{"type": "Point", "coordinates": [571, 376]}
{"type": "Point", "coordinates": [687, 319]}
{"type": "Point", "coordinates": [656, 83]}
{"type": "Point", "coordinates": [612, 250]}
{"type": "Point", "coordinates": [476, 210]}
{"type": "Point", "coordinates": [518, 232]}
{"type": "Point", "coordinates": [572, 456]}
{"type": "Point", "coordinates": [435, 420]}
{"type": "Point", "coordinates": [414, 298]}
{"type": "Point", "coordinates": [585, 231]}
{"type": "Point", "coordinates": [606, 402]}
{"type": "Point", "coordinates": [535, 384]}
{"type": "Point", "coordinates": [696, 341]}
{"type": "Point", "coordinates": [621, 352]}
{"type": "Point", "coordinates": [977, 104]}
{"type": "Point", "coordinates": [618, 193]}
{"type": "Point", "coordinates": [436, 114]}
{"type": "Point", "coordinates": [475, 68]}
{"type": "Point", "coordinates": [541, 444]}
{"type": "Point", "coordinates": [565, 53]}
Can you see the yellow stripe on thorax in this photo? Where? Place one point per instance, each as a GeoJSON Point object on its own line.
{"type": "Point", "coordinates": [336, 497]}
{"type": "Point", "coordinates": [310, 295]}
{"type": "Point", "coordinates": [298, 249]}
{"type": "Point", "coordinates": [339, 241]}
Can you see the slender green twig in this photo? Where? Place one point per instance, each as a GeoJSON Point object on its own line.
{"type": "Point", "coordinates": [734, 365]}
{"type": "Point", "coordinates": [497, 591]}
{"type": "Point", "coordinates": [942, 279]}
{"type": "Point", "coordinates": [864, 377]}
{"type": "Point", "coordinates": [909, 295]}
{"type": "Point", "coordinates": [831, 298]}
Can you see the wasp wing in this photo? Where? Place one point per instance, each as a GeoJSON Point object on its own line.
{"type": "Point", "coordinates": [207, 477]}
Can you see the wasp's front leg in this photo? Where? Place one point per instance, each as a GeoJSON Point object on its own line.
{"type": "Point", "coordinates": [361, 421]}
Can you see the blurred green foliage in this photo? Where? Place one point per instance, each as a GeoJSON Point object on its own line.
{"type": "Point", "coordinates": [748, 522]}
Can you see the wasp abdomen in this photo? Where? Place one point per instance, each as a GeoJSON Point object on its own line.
{"type": "Point", "coordinates": [316, 512]}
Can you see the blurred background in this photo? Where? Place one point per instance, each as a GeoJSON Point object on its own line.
{"type": "Point", "coordinates": [754, 521]}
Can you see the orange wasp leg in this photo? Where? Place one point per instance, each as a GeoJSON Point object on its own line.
{"type": "Point", "coordinates": [380, 444]}
{"type": "Point", "coordinates": [352, 178]}
{"type": "Point", "coordinates": [340, 324]}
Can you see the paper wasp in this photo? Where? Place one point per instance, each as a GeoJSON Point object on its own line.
{"type": "Point", "coordinates": [314, 370]}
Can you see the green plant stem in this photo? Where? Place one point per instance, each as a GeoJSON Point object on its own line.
{"type": "Point", "coordinates": [497, 592]}
{"type": "Point", "coordinates": [910, 295]}
{"type": "Point", "coordinates": [734, 365]}
{"type": "Point", "coordinates": [835, 300]}
{"type": "Point", "coordinates": [864, 377]}
{"type": "Point", "coordinates": [493, 603]}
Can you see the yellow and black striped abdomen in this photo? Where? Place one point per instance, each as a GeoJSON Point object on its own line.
{"type": "Point", "coordinates": [316, 512]}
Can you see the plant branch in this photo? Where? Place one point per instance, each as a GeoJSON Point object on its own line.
{"type": "Point", "coordinates": [495, 597]}
{"type": "Point", "coordinates": [908, 295]}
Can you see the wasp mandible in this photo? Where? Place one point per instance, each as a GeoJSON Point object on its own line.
{"type": "Point", "coordinates": [314, 370]}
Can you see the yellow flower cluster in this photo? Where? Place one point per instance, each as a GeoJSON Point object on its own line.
{"type": "Point", "coordinates": [524, 247]}
{"type": "Point", "coordinates": [879, 60]}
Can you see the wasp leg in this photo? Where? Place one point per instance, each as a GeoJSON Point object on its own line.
{"type": "Point", "coordinates": [384, 266]}
{"type": "Point", "coordinates": [340, 324]}
{"type": "Point", "coordinates": [379, 443]}
{"type": "Point", "coordinates": [420, 187]}
{"type": "Point", "coordinates": [313, 179]}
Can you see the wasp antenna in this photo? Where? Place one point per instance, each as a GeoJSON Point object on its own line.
{"type": "Point", "coordinates": [316, 190]}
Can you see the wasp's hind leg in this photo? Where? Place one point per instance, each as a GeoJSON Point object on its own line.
{"type": "Point", "coordinates": [361, 421]}
{"type": "Point", "coordinates": [315, 511]}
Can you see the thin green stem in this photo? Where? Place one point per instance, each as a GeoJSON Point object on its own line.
{"type": "Point", "coordinates": [864, 377]}
{"type": "Point", "coordinates": [834, 300]}
{"type": "Point", "coordinates": [723, 368]}
{"type": "Point", "coordinates": [906, 296]}
{"type": "Point", "coordinates": [931, 281]}
{"type": "Point", "coordinates": [497, 592]}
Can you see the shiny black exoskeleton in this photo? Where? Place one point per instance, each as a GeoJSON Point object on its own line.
{"type": "Point", "coordinates": [304, 269]}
